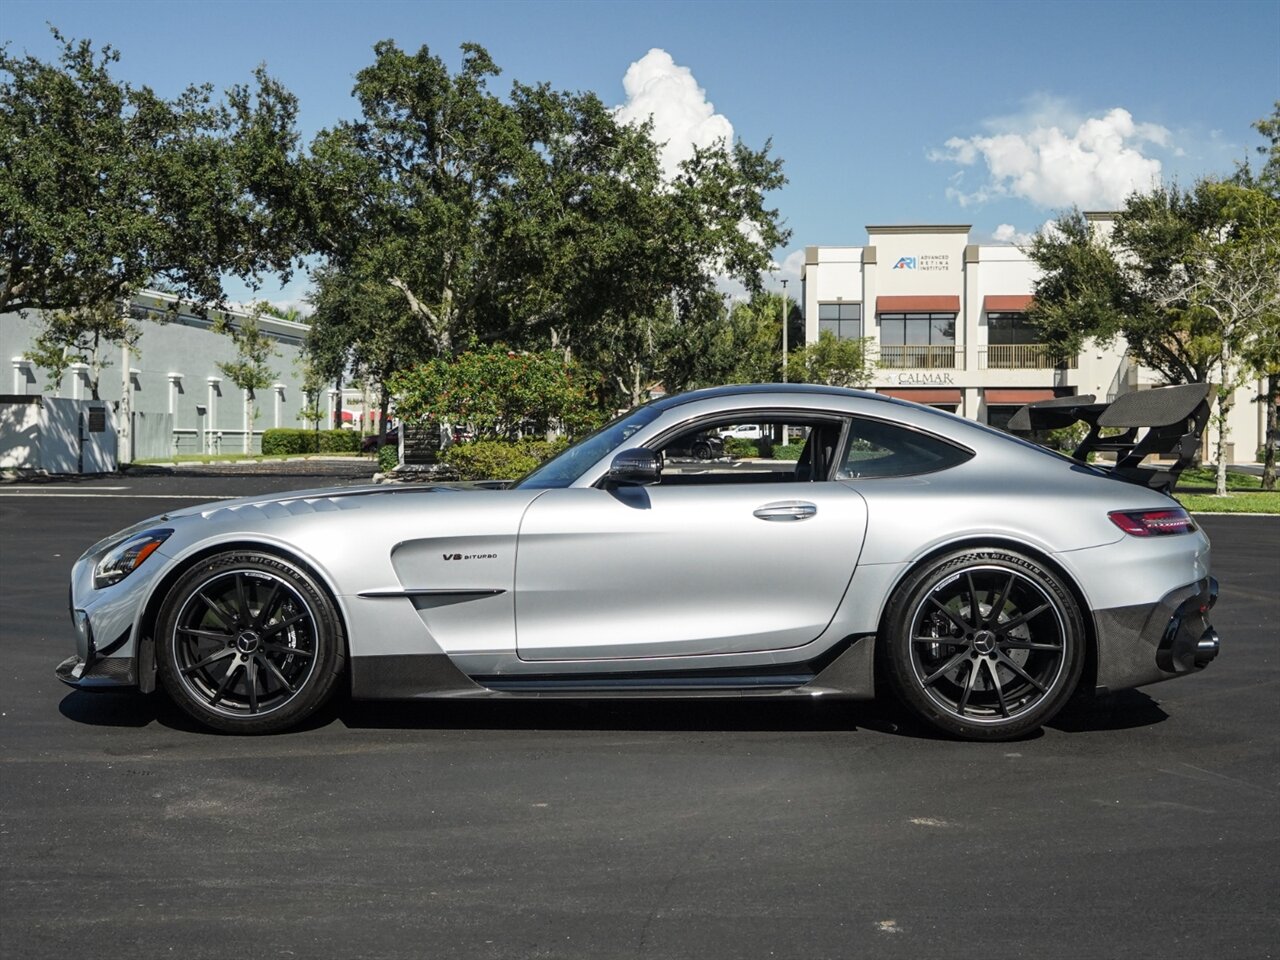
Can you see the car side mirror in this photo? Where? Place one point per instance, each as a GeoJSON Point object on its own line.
{"type": "Point", "coordinates": [639, 465]}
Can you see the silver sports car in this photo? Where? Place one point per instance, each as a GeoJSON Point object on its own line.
{"type": "Point", "coordinates": [981, 578]}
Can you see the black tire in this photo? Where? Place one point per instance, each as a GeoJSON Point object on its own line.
{"type": "Point", "coordinates": [247, 642]}
{"type": "Point", "coordinates": [996, 675]}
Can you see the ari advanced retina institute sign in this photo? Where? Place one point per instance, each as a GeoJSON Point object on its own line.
{"type": "Point", "coordinates": [928, 261]}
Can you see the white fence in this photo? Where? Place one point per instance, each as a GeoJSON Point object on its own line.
{"type": "Point", "coordinates": [53, 435]}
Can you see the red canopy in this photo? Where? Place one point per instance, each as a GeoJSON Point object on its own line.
{"type": "Point", "coordinates": [923, 394]}
{"type": "Point", "coordinates": [1002, 396]}
{"type": "Point", "coordinates": [932, 304]}
{"type": "Point", "coordinates": [1007, 303]}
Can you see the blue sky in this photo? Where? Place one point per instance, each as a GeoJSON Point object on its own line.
{"type": "Point", "coordinates": [997, 114]}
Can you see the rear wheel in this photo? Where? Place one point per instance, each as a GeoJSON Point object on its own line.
{"type": "Point", "coordinates": [985, 645]}
{"type": "Point", "coordinates": [248, 643]}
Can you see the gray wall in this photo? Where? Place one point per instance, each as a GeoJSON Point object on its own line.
{"type": "Point", "coordinates": [172, 342]}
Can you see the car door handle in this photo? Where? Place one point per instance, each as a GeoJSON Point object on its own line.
{"type": "Point", "coordinates": [786, 510]}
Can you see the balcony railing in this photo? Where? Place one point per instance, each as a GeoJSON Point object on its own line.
{"type": "Point", "coordinates": [1022, 356]}
{"type": "Point", "coordinates": [921, 357]}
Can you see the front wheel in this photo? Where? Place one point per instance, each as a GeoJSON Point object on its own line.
{"type": "Point", "coordinates": [984, 644]}
{"type": "Point", "coordinates": [248, 643]}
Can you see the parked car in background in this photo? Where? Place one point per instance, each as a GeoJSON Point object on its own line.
{"type": "Point", "coordinates": [701, 446]}
{"type": "Point", "coordinates": [370, 443]}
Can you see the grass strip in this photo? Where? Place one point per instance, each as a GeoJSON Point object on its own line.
{"type": "Point", "coordinates": [1207, 477]}
{"type": "Point", "coordinates": [244, 457]}
{"type": "Point", "coordinates": [1255, 502]}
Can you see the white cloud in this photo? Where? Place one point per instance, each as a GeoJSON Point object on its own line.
{"type": "Point", "coordinates": [304, 307]}
{"type": "Point", "coordinates": [1056, 160]}
{"type": "Point", "coordinates": [661, 90]}
{"type": "Point", "coordinates": [788, 270]}
{"type": "Point", "coordinates": [656, 86]}
{"type": "Point", "coordinates": [284, 304]}
{"type": "Point", "coordinates": [792, 264]}
{"type": "Point", "coordinates": [1008, 233]}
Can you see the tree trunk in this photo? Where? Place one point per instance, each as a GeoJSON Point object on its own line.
{"type": "Point", "coordinates": [96, 368]}
{"type": "Point", "coordinates": [1272, 435]}
{"type": "Point", "coordinates": [566, 348]}
{"type": "Point", "coordinates": [1224, 409]}
{"type": "Point", "coordinates": [248, 421]}
{"type": "Point", "coordinates": [446, 317]}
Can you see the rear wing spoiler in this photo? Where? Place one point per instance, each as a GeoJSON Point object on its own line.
{"type": "Point", "coordinates": [1164, 421]}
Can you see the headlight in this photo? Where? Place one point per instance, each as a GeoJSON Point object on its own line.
{"type": "Point", "coordinates": [124, 558]}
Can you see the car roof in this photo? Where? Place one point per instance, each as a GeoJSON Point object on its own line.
{"type": "Point", "coordinates": [750, 389]}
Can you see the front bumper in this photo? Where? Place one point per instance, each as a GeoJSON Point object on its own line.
{"type": "Point", "coordinates": [104, 673]}
{"type": "Point", "coordinates": [1151, 642]}
{"type": "Point", "coordinates": [94, 667]}
{"type": "Point", "coordinates": [104, 623]}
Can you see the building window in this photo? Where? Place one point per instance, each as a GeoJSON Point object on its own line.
{"type": "Point", "coordinates": [1009, 329]}
{"type": "Point", "coordinates": [919, 341]}
{"type": "Point", "coordinates": [932, 329]}
{"type": "Point", "coordinates": [999, 416]}
{"type": "Point", "coordinates": [842, 319]}
{"type": "Point", "coordinates": [1014, 344]}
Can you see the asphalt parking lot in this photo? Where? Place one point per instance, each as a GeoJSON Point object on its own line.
{"type": "Point", "coordinates": [1145, 826]}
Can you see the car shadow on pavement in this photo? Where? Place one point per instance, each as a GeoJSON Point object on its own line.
{"type": "Point", "coordinates": [1125, 710]}
{"type": "Point", "coordinates": [638, 715]}
{"type": "Point", "coordinates": [131, 709]}
{"type": "Point", "coordinates": [125, 709]}
{"type": "Point", "coordinates": [1120, 711]}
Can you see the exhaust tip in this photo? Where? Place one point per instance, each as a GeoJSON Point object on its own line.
{"type": "Point", "coordinates": [1207, 647]}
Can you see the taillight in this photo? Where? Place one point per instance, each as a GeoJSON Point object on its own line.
{"type": "Point", "coordinates": [1152, 523]}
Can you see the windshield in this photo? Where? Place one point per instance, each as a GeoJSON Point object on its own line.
{"type": "Point", "coordinates": [563, 470]}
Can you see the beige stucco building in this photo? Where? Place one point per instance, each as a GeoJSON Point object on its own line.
{"type": "Point", "coordinates": [948, 320]}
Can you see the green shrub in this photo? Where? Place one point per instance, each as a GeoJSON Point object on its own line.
{"type": "Point", "coordinates": [790, 451]}
{"type": "Point", "coordinates": [289, 440]}
{"type": "Point", "coordinates": [500, 460]}
{"type": "Point", "coordinates": [1065, 439]}
{"type": "Point", "coordinates": [340, 441]}
{"type": "Point", "coordinates": [500, 394]}
{"type": "Point", "coordinates": [388, 458]}
{"type": "Point", "coordinates": [740, 447]}
{"type": "Point", "coordinates": [765, 449]}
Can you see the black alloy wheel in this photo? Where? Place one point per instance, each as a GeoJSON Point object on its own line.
{"type": "Point", "coordinates": [248, 643]}
{"type": "Point", "coordinates": [985, 645]}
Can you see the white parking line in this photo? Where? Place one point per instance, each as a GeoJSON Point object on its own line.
{"type": "Point", "coordinates": [33, 488]}
{"type": "Point", "coordinates": [118, 496]}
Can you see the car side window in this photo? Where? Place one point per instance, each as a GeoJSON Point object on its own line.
{"type": "Point", "coordinates": [879, 449]}
{"type": "Point", "coordinates": [773, 449]}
